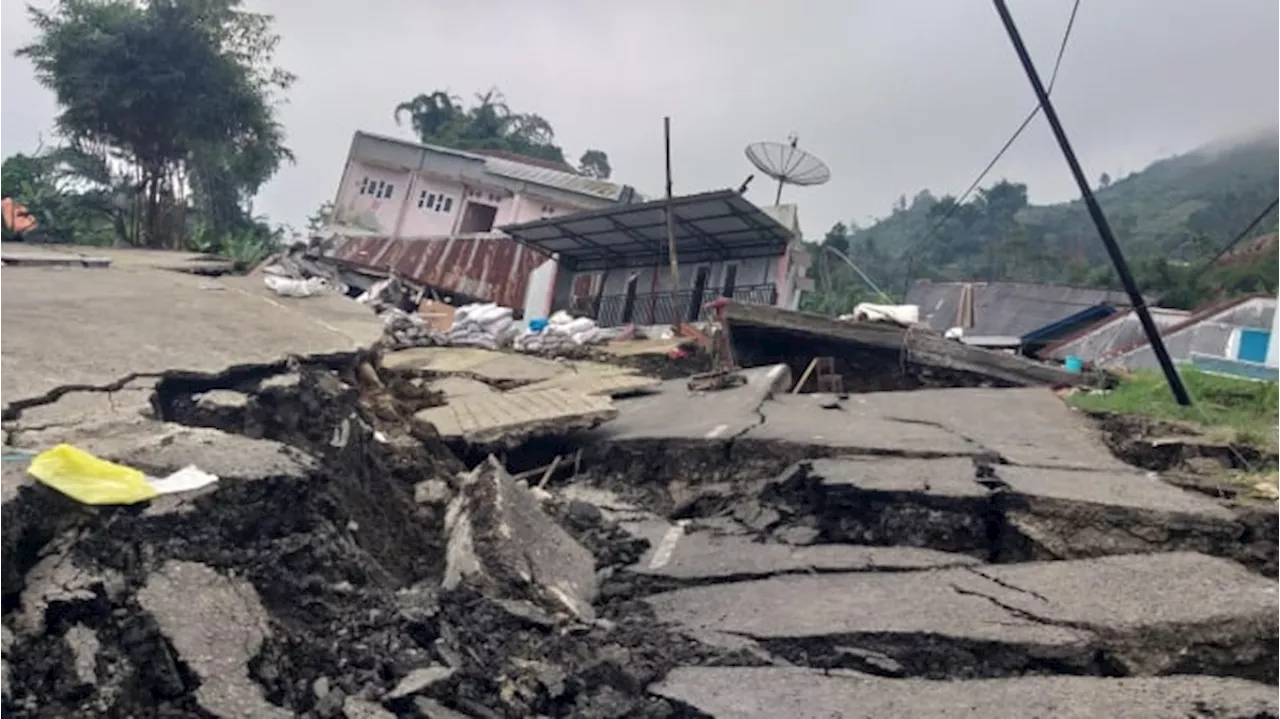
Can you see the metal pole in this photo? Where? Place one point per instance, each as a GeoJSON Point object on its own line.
{"type": "Point", "coordinates": [671, 220]}
{"type": "Point", "coordinates": [1095, 211]}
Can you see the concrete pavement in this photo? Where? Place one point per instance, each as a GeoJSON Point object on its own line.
{"type": "Point", "coordinates": [800, 693]}
{"type": "Point", "coordinates": [96, 328]}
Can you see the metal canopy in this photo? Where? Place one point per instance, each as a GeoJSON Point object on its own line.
{"type": "Point", "coordinates": [720, 225]}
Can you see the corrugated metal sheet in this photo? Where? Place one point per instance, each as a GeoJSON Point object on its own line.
{"type": "Point", "coordinates": [491, 267]}
{"type": "Point", "coordinates": [568, 182]}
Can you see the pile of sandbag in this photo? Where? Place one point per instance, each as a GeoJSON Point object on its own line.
{"type": "Point", "coordinates": [402, 329]}
{"type": "Point", "coordinates": [485, 325]}
{"type": "Point", "coordinates": [561, 330]}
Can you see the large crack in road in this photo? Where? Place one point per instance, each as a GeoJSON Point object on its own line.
{"type": "Point", "coordinates": [785, 565]}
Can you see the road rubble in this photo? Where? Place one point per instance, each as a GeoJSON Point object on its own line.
{"type": "Point", "coordinates": [742, 552]}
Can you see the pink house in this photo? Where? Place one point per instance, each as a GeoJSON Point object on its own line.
{"type": "Point", "coordinates": [429, 213]}
{"type": "Point", "coordinates": [537, 236]}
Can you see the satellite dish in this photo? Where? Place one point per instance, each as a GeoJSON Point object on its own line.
{"type": "Point", "coordinates": [787, 164]}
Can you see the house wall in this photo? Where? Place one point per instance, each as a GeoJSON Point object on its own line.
{"type": "Point", "coordinates": [371, 197]}
{"type": "Point", "coordinates": [1214, 336]}
{"type": "Point", "coordinates": [433, 207]}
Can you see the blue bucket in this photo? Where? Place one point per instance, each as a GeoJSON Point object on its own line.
{"type": "Point", "coordinates": [1073, 364]}
{"type": "Point", "coordinates": [537, 324]}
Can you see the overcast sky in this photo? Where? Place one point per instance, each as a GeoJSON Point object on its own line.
{"type": "Point", "coordinates": [895, 95]}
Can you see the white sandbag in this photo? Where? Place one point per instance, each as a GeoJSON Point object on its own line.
{"type": "Point", "coordinates": [581, 324]}
{"type": "Point", "coordinates": [897, 314]}
{"type": "Point", "coordinates": [559, 318]}
{"type": "Point", "coordinates": [290, 287]}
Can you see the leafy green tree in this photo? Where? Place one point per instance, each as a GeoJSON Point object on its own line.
{"type": "Point", "coordinates": [594, 163]}
{"type": "Point", "coordinates": [180, 92]}
{"type": "Point", "coordinates": [439, 118]}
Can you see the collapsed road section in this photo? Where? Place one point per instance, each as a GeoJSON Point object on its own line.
{"type": "Point", "coordinates": [658, 552]}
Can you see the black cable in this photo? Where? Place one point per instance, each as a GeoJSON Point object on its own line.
{"type": "Point", "coordinates": [1053, 78]}
{"type": "Point", "coordinates": [1227, 248]}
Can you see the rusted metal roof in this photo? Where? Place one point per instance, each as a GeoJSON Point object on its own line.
{"type": "Point", "coordinates": [490, 267]}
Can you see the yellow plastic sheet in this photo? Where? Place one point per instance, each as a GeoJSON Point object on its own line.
{"type": "Point", "coordinates": [88, 479]}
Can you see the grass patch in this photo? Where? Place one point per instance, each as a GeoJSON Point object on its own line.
{"type": "Point", "coordinates": [1237, 410]}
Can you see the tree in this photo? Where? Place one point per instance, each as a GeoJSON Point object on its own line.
{"type": "Point", "coordinates": [1104, 181]}
{"type": "Point", "coordinates": [439, 118]}
{"type": "Point", "coordinates": [321, 218]}
{"type": "Point", "coordinates": [594, 163]}
{"type": "Point", "coordinates": [182, 93]}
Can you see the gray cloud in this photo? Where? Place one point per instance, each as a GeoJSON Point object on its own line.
{"type": "Point", "coordinates": [895, 96]}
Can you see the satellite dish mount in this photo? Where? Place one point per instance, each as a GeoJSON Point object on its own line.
{"type": "Point", "coordinates": [787, 164]}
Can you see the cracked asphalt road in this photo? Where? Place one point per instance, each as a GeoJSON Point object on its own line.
{"type": "Point", "coordinates": [905, 471]}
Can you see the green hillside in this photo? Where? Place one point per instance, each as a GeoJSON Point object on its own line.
{"type": "Point", "coordinates": [1170, 218]}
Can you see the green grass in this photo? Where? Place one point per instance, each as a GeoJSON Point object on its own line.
{"type": "Point", "coordinates": [1235, 409]}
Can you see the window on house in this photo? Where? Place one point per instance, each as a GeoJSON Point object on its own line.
{"type": "Point", "coordinates": [364, 185]}
{"type": "Point", "coordinates": [448, 204]}
{"type": "Point", "coordinates": [386, 192]}
{"type": "Point", "coordinates": [429, 203]}
{"type": "Point", "coordinates": [422, 199]}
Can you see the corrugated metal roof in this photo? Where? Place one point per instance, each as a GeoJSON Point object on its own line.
{"type": "Point", "coordinates": [569, 182]}
{"type": "Point", "coordinates": [710, 226]}
{"type": "Point", "coordinates": [1006, 308]}
{"type": "Point", "coordinates": [490, 267]}
{"type": "Point", "coordinates": [1100, 338]}
{"type": "Point", "coordinates": [521, 171]}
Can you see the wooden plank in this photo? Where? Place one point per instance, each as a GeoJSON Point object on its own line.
{"type": "Point", "coordinates": [922, 346]}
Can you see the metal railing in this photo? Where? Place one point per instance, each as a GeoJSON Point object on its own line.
{"type": "Point", "coordinates": [659, 308]}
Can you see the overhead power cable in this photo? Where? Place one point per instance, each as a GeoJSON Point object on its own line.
{"type": "Point", "coordinates": [1240, 236]}
{"type": "Point", "coordinates": [1053, 78]}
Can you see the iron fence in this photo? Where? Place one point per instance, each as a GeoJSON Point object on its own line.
{"type": "Point", "coordinates": [659, 308]}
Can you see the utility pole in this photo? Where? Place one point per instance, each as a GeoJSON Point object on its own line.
{"type": "Point", "coordinates": [671, 220]}
{"type": "Point", "coordinates": [1095, 211]}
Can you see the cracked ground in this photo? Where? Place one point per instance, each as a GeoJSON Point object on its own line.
{"type": "Point", "coordinates": [935, 553]}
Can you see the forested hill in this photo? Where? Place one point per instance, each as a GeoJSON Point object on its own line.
{"type": "Point", "coordinates": [1170, 218]}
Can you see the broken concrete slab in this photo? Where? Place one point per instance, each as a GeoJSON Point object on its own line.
{"type": "Point", "coordinates": [803, 693]}
{"type": "Point", "coordinates": [1137, 614]}
{"type": "Point", "coordinates": [607, 382]}
{"type": "Point", "coordinates": [160, 321]}
{"type": "Point", "coordinates": [1028, 426]}
{"type": "Point", "coordinates": [486, 365]}
{"type": "Point", "coordinates": [702, 555]}
{"type": "Point", "coordinates": [754, 327]}
{"type": "Point", "coordinates": [1008, 513]}
{"type": "Point", "coordinates": [216, 625]}
{"type": "Point", "coordinates": [798, 419]}
{"type": "Point", "coordinates": [58, 580]}
{"type": "Point", "coordinates": [509, 418]}
{"type": "Point", "coordinates": [419, 680]}
{"type": "Point", "coordinates": [499, 538]}
{"type": "Point", "coordinates": [454, 387]}
{"type": "Point", "coordinates": [675, 413]}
